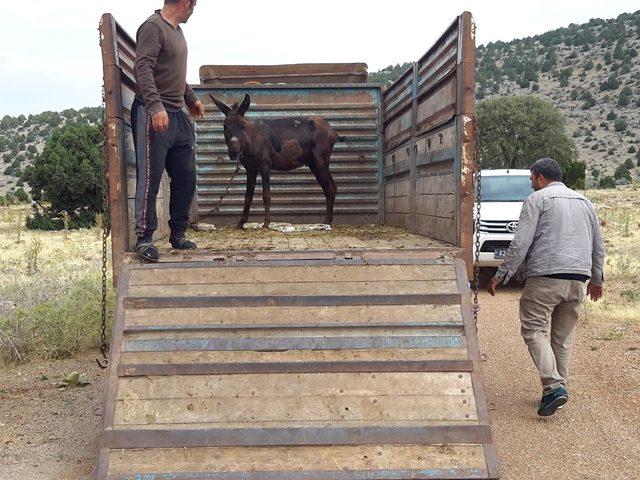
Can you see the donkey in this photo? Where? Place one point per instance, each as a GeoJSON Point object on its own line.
{"type": "Point", "coordinates": [280, 144]}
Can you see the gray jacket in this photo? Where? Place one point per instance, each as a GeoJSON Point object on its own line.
{"type": "Point", "coordinates": [558, 232]}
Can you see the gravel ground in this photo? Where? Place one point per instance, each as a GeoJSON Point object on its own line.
{"type": "Point", "coordinates": [596, 436]}
{"type": "Point", "coordinates": [49, 433]}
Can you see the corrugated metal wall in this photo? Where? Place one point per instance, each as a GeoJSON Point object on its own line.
{"type": "Point", "coordinates": [352, 109]}
{"type": "Point", "coordinates": [428, 154]}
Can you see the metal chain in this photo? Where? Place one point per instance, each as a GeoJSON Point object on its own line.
{"type": "Point", "coordinates": [104, 347]}
{"type": "Point", "coordinates": [194, 224]}
{"type": "Point", "coordinates": [477, 184]}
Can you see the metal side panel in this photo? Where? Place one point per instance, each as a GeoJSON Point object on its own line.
{"type": "Point", "coordinates": [428, 140]}
{"type": "Point", "coordinates": [363, 368]}
{"type": "Point", "coordinates": [353, 110]}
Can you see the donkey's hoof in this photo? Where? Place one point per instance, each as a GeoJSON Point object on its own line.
{"type": "Point", "coordinates": [265, 226]}
{"type": "Point", "coordinates": [240, 226]}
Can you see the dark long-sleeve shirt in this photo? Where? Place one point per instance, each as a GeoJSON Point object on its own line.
{"type": "Point", "coordinates": [161, 66]}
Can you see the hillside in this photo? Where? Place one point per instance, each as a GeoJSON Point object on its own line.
{"type": "Point", "coordinates": [591, 72]}
{"type": "Point", "coordinates": [22, 138]}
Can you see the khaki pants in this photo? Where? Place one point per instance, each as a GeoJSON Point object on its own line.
{"type": "Point", "coordinates": [557, 302]}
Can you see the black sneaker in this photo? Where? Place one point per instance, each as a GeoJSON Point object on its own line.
{"type": "Point", "coordinates": [147, 251]}
{"type": "Point", "coordinates": [553, 400]}
{"type": "Point", "coordinates": [180, 242]}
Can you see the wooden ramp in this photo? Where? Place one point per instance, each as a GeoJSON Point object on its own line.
{"type": "Point", "coordinates": [296, 367]}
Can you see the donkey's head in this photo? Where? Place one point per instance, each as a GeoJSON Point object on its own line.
{"type": "Point", "coordinates": [235, 134]}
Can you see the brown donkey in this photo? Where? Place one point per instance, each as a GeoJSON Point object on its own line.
{"type": "Point", "coordinates": [279, 144]}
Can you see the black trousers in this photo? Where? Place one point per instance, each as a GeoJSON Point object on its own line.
{"type": "Point", "coordinates": [173, 151]}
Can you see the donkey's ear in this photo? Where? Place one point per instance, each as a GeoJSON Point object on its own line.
{"type": "Point", "coordinates": [221, 106]}
{"type": "Point", "coordinates": [244, 106]}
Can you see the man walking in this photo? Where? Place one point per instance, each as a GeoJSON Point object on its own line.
{"type": "Point", "coordinates": [557, 248]}
{"type": "Point", "coordinates": [163, 131]}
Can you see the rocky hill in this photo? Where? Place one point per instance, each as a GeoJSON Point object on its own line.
{"type": "Point", "coordinates": [22, 138]}
{"type": "Point", "coordinates": [591, 72]}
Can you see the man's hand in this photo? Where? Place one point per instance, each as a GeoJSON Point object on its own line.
{"type": "Point", "coordinates": [197, 110]}
{"type": "Point", "coordinates": [595, 291]}
{"type": "Point", "coordinates": [493, 284]}
{"type": "Point", "coordinates": [160, 121]}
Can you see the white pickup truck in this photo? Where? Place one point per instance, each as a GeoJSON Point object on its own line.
{"type": "Point", "coordinates": [502, 194]}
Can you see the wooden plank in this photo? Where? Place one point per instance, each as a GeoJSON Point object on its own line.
{"type": "Point", "coordinates": [440, 184]}
{"type": "Point", "coordinates": [437, 108]}
{"type": "Point", "coordinates": [295, 356]}
{"type": "Point", "coordinates": [436, 205]}
{"type": "Point", "coordinates": [423, 474]}
{"type": "Point", "coordinates": [294, 410]}
{"type": "Point", "coordinates": [397, 219]}
{"type": "Point", "coordinates": [397, 188]}
{"type": "Point", "coordinates": [297, 459]}
{"type": "Point", "coordinates": [396, 156]}
{"type": "Point", "coordinates": [246, 258]}
{"type": "Point", "coordinates": [397, 205]}
{"type": "Point", "coordinates": [233, 427]}
{"type": "Point", "coordinates": [301, 274]}
{"type": "Point", "coordinates": [314, 315]}
{"type": "Point", "coordinates": [343, 288]}
{"type": "Point", "coordinates": [288, 384]}
{"type": "Point", "coordinates": [438, 227]}
{"type": "Point", "coordinates": [443, 140]}
{"type": "Point", "coordinates": [397, 130]}
{"type": "Point", "coordinates": [288, 73]}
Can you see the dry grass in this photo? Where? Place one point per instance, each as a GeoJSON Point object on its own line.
{"type": "Point", "coordinates": [49, 288]}
{"type": "Point", "coordinates": [50, 281]}
{"type": "Point", "coordinates": [619, 212]}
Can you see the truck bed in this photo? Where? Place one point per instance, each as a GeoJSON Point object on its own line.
{"type": "Point", "coordinates": [305, 238]}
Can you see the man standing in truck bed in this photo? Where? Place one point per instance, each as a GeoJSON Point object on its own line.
{"type": "Point", "coordinates": [558, 249]}
{"type": "Point", "coordinates": [163, 132]}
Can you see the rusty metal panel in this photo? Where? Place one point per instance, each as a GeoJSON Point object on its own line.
{"type": "Point", "coordinates": [353, 110]}
{"type": "Point", "coordinates": [428, 140]}
{"type": "Point", "coordinates": [306, 73]}
{"type": "Point", "coordinates": [397, 111]}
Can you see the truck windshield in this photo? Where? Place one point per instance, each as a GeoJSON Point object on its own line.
{"type": "Point", "coordinates": [515, 188]}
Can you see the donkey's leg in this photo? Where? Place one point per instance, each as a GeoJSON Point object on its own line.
{"type": "Point", "coordinates": [248, 197]}
{"type": "Point", "coordinates": [325, 179]}
{"type": "Point", "coordinates": [266, 196]}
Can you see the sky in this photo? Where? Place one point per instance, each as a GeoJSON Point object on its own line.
{"type": "Point", "coordinates": [50, 58]}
